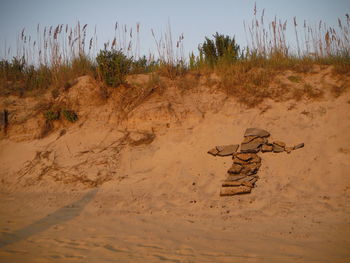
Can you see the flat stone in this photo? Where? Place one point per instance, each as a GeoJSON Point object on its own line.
{"type": "Point", "coordinates": [250, 157]}
{"type": "Point", "coordinates": [228, 150]}
{"type": "Point", "coordinates": [234, 190]}
{"type": "Point", "coordinates": [266, 148]}
{"type": "Point", "coordinates": [288, 149]}
{"type": "Point", "coordinates": [234, 177]}
{"type": "Point", "coordinates": [250, 169]}
{"type": "Point", "coordinates": [298, 146]}
{"type": "Point", "coordinates": [261, 140]}
{"type": "Point", "coordinates": [249, 184]}
{"type": "Point", "coordinates": [252, 146]}
{"type": "Point", "coordinates": [256, 132]}
{"type": "Point", "coordinates": [248, 178]}
{"type": "Point", "coordinates": [220, 148]}
{"type": "Point", "coordinates": [249, 139]}
{"type": "Point", "coordinates": [255, 158]}
{"type": "Point", "coordinates": [235, 169]}
{"type": "Point", "coordinates": [279, 143]}
{"type": "Point", "coordinates": [244, 156]}
{"type": "Point", "coordinates": [248, 181]}
{"type": "Point", "coordinates": [239, 161]}
{"type": "Point", "coordinates": [277, 149]}
{"type": "Point", "coordinates": [231, 183]}
{"type": "Point", "coordinates": [213, 151]}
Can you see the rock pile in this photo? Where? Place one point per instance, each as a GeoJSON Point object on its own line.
{"type": "Point", "coordinates": [242, 175]}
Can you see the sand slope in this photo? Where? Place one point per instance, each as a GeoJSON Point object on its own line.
{"type": "Point", "coordinates": [142, 191]}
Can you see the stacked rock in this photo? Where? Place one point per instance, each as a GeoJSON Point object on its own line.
{"type": "Point", "coordinates": [242, 175]}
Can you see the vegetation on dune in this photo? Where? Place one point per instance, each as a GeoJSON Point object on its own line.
{"type": "Point", "coordinates": [61, 54]}
{"type": "Point", "coordinates": [113, 66]}
{"type": "Point", "coordinates": [70, 115]}
{"type": "Point", "coordinates": [220, 49]}
{"type": "Point", "coordinates": [51, 115]}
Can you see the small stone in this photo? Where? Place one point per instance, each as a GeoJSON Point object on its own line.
{"type": "Point", "coordinates": [277, 149]}
{"type": "Point", "coordinates": [213, 151]}
{"type": "Point", "coordinates": [298, 146]}
{"type": "Point", "coordinates": [279, 143]}
{"type": "Point", "coordinates": [228, 150]}
{"type": "Point", "coordinates": [288, 149]}
{"type": "Point", "coordinates": [256, 132]}
{"type": "Point", "coordinates": [235, 169]}
{"type": "Point", "coordinates": [234, 190]}
{"type": "Point", "coordinates": [266, 148]}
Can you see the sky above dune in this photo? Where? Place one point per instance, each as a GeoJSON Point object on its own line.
{"type": "Point", "coordinates": [194, 19]}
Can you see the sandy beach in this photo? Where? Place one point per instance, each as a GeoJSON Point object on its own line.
{"type": "Point", "coordinates": [146, 190]}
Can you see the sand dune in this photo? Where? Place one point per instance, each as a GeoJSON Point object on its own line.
{"type": "Point", "coordinates": [147, 191]}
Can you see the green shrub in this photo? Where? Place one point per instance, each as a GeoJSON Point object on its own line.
{"type": "Point", "coordinates": [70, 115]}
{"type": "Point", "coordinates": [52, 115]}
{"type": "Point", "coordinates": [113, 66]}
{"type": "Point", "coordinates": [222, 48]}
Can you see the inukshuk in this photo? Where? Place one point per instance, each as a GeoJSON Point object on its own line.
{"type": "Point", "coordinates": [242, 175]}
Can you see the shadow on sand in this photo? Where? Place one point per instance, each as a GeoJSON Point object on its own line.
{"type": "Point", "coordinates": [61, 215]}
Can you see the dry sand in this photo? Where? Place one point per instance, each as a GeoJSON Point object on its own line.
{"type": "Point", "coordinates": [159, 201]}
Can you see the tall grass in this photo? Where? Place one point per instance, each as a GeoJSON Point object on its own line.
{"type": "Point", "coordinates": [59, 53]}
{"type": "Point", "coordinates": [171, 58]}
{"type": "Point", "coordinates": [266, 39]}
{"type": "Point", "coordinates": [55, 45]}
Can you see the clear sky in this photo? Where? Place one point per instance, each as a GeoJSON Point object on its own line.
{"type": "Point", "coordinates": [194, 18]}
